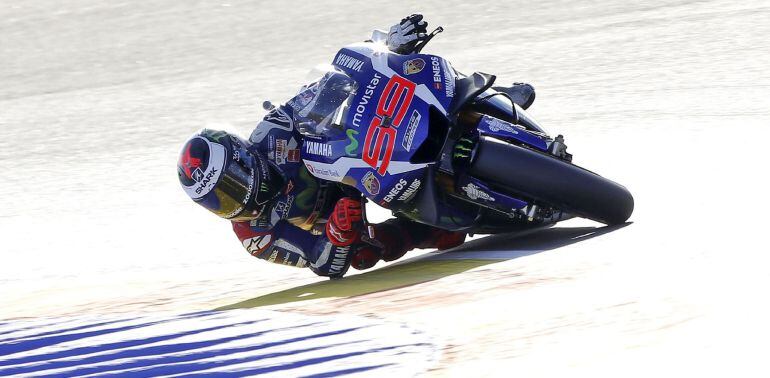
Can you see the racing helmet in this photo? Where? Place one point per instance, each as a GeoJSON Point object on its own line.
{"type": "Point", "coordinates": [219, 172]}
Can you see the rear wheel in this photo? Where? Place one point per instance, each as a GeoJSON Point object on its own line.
{"type": "Point", "coordinates": [546, 179]}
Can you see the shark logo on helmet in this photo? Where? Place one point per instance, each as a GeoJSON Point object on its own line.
{"type": "Point", "coordinates": [200, 166]}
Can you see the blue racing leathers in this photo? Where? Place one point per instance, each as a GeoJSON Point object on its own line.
{"type": "Point", "coordinates": [291, 231]}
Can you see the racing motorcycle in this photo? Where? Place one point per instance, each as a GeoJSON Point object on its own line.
{"type": "Point", "coordinates": [442, 148]}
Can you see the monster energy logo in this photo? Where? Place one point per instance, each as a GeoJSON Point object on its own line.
{"type": "Point", "coordinates": [462, 149]}
{"type": "Point", "coordinates": [352, 147]}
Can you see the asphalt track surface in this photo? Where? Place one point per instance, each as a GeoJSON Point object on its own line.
{"type": "Point", "coordinates": [669, 98]}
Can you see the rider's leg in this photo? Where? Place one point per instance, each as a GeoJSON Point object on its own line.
{"type": "Point", "coordinates": [399, 236]}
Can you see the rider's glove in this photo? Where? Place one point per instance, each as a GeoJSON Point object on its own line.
{"type": "Point", "coordinates": [343, 226]}
{"type": "Point", "coordinates": [403, 37]}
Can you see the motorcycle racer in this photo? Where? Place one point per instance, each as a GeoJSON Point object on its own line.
{"type": "Point", "coordinates": [282, 213]}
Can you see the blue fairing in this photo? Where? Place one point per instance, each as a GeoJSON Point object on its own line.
{"type": "Point", "coordinates": [382, 134]}
{"type": "Point", "coordinates": [492, 126]}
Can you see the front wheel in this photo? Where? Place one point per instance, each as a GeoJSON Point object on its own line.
{"type": "Point", "coordinates": [546, 179]}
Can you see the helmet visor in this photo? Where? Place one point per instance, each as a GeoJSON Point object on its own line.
{"type": "Point", "coordinates": [235, 190]}
{"type": "Point", "coordinates": [248, 184]}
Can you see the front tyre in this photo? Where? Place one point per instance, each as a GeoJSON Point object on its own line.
{"type": "Point", "coordinates": [546, 179]}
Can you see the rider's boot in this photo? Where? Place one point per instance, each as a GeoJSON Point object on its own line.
{"type": "Point", "coordinates": [398, 237]}
{"type": "Point", "coordinates": [395, 243]}
{"type": "Point", "coordinates": [522, 94]}
{"type": "Point", "coordinates": [413, 235]}
{"type": "Point", "coordinates": [443, 239]}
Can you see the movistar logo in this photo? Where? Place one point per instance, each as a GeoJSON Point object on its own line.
{"type": "Point", "coordinates": [352, 147]}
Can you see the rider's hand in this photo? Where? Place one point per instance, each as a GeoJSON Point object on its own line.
{"type": "Point", "coordinates": [403, 37]}
{"type": "Point", "coordinates": [343, 226]}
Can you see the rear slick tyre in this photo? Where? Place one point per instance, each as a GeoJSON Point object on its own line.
{"type": "Point", "coordinates": [545, 179]}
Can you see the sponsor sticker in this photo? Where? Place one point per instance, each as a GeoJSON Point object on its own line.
{"type": "Point", "coordinates": [411, 129]}
{"type": "Point", "coordinates": [339, 259]}
{"type": "Point", "coordinates": [260, 222]}
{"type": "Point", "coordinates": [365, 99]}
{"type": "Point", "coordinates": [318, 149]}
{"type": "Point", "coordinates": [321, 172]}
{"type": "Point", "coordinates": [258, 244]}
{"type": "Point", "coordinates": [371, 183]}
{"type": "Point", "coordinates": [413, 66]}
{"type": "Point", "coordinates": [279, 117]}
{"type": "Point", "coordinates": [449, 80]}
{"type": "Point", "coordinates": [285, 151]}
{"type": "Point", "coordinates": [280, 151]}
{"type": "Point", "coordinates": [234, 212]}
{"type": "Point", "coordinates": [474, 192]}
{"type": "Point", "coordinates": [349, 62]}
{"type": "Point", "coordinates": [395, 190]}
{"type": "Point", "coordinates": [352, 145]}
{"type": "Point", "coordinates": [281, 210]}
{"type": "Point", "coordinates": [436, 68]}
{"type": "Point", "coordinates": [498, 125]}
{"type": "Point", "coordinates": [410, 191]}
{"type": "Point", "coordinates": [271, 147]}
{"type": "Point", "coordinates": [293, 155]}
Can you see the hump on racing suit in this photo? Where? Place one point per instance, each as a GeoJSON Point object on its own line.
{"type": "Point", "coordinates": [290, 232]}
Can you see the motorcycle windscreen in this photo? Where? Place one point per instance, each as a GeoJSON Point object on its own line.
{"type": "Point", "coordinates": [517, 114]}
{"type": "Point", "coordinates": [526, 120]}
{"type": "Point", "coordinates": [320, 107]}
